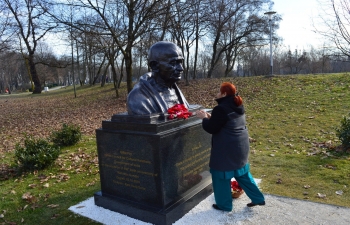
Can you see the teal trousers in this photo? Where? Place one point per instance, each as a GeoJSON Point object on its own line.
{"type": "Point", "coordinates": [222, 186]}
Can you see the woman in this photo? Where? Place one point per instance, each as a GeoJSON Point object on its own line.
{"type": "Point", "coordinates": [230, 148]}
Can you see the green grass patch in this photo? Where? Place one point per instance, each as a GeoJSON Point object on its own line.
{"type": "Point", "coordinates": [292, 121]}
{"type": "Point", "coordinates": [42, 197]}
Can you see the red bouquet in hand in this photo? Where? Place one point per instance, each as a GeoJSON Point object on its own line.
{"type": "Point", "coordinates": [178, 111]}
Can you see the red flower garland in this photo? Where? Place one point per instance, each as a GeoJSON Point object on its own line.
{"type": "Point", "coordinates": [179, 111]}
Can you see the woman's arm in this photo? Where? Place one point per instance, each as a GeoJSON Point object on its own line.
{"type": "Point", "coordinates": [213, 122]}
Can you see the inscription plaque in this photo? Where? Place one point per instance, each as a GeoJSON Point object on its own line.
{"type": "Point", "coordinates": [154, 170]}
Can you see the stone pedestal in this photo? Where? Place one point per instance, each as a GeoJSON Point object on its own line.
{"type": "Point", "coordinates": [151, 168]}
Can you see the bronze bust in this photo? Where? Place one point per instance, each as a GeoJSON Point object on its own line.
{"type": "Point", "coordinates": [157, 91]}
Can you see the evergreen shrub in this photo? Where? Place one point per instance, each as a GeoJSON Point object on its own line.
{"type": "Point", "coordinates": [343, 132]}
{"type": "Point", "coordinates": [36, 153]}
{"type": "Point", "coordinates": [68, 135]}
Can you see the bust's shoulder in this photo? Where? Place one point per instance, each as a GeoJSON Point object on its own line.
{"type": "Point", "coordinates": [144, 98]}
{"type": "Point", "coordinates": [146, 77]}
{"type": "Point", "coordinates": [146, 80]}
{"type": "Point", "coordinates": [142, 88]}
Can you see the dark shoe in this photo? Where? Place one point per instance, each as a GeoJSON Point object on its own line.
{"type": "Point", "coordinates": [215, 206]}
{"type": "Point", "coordinates": [252, 204]}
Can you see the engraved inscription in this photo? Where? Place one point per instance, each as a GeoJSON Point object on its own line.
{"type": "Point", "coordinates": [128, 169]}
{"type": "Point", "coordinates": [200, 157]}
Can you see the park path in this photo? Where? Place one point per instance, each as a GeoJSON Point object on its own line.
{"type": "Point", "coordinates": [278, 210]}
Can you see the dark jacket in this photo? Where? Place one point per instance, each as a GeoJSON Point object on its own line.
{"type": "Point", "coordinates": [230, 140]}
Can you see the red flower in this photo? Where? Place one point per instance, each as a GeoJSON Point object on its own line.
{"type": "Point", "coordinates": [235, 186]}
{"type": "Point", "coordinates": [178, 111]}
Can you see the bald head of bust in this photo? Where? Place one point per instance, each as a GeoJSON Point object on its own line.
{"type": "Point", "coordinates": [165, 59]}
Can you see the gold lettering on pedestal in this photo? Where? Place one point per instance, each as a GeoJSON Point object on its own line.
{"type": "Point", "coordinates": [126, 153]}
{"type": "Point", "coordinates": [128, 169]}
{"type": "Point", "coordinates": [202, 154]}
{"type": "Point", "coordinates": [128, 184]}
{"type": "Point", "coordinates": [197, 147]}
{"type": "Point", "coordinates": [195, 163]}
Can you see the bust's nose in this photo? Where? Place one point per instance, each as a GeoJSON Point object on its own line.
{"type": "Point", "coordinates": [179, 67]}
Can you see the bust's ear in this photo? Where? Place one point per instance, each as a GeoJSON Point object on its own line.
{"type": "Point", "coordinates": [154, 66]}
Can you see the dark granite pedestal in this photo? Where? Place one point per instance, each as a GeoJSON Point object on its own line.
{"type": "Point", "coordinates": [151, 168]}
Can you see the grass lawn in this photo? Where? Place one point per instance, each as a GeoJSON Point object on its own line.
{"type": "Point", "coordinates": [292, 123]}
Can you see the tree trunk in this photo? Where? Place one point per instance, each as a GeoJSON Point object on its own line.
{"type": "Point", "coordinates": [121, 73]}
{"type": "Point", "coordinates": [188, 64]}
{"type": "Point", "coordinates": [214, 57]}
{"type": "Point", "coordinates": [33, 73]}
{"type": "Point", "coordinates": [103, 80]}
{"type": "Point", "coordinates": [78, 62]}
{"type": "Point", "coordinates": [197, 42]}
{"type": "Point", "coordinates": [115, 78]}
{"type": "Point", "coordinates": [99, 70]}
{"type": "Point", "coordinates": [29, 74]}
{"type": "Point", "coordinates": [128, 68]}
{"type": "Point", "coordinates": [195, 57]}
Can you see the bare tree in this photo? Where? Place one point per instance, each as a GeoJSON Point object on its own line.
{"type": "Point", "coordinates": [125, 21]}
{"type": "Point", "coordinates": [187, 27]}
{"type": "Point", "coordinates": [234, 24]}
{"type": "Point", "coordinates": [335, 18]}
{"type": "Point", "coordinates": [5, 32]}
{"type": "Point", "coordinates": [13, 73]}
{"type": "Point", "coordinates": [28, 21]}
{"type": "Point", "coordinates": [296, 62]}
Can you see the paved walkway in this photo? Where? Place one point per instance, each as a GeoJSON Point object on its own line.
{"type": "Point", "coordinates": [21, 93]}
{"type": "Point", "coordinates": [278, 210]}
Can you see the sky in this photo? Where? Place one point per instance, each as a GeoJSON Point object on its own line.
{"type": "Point", "coordinates": [297, 23]}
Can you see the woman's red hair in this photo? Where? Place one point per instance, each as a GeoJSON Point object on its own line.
{"type": "Point", "coordinates": [231, 90]}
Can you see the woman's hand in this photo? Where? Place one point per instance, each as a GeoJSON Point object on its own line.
{"type": "Point", "coordinates": [202, 114]}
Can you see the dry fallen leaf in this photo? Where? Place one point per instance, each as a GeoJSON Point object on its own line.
{"type": "Point", "coordinates": [52, 206]}
{"type": "Point", "coordinates": [330, 166]}
{"type": "Point", "coordinates": [54, 216]}
{"type": "Point", "coordinates": [252, 139]}
{"type": "Point", "coordinates": [46, 196]}
{"type": "Point", "coordinates": [32, 185]}
{"type": "Point", "coordinates": [90, 184]}
{"type": "Point", "coordinates": [44, 180]}
{"type": "Point", "coordinates": [11, 223]}
{"type": "Point", "coordinates": [46, 185]}
{"type": "Point", "coordinates": [321, 195]}
{"type": "Point", "coordinates": [27, 195]}
{"type": "Point", "coordinates": [340, 192]}
{"type": "Point", "coordinates": [307, 186]}
{"type": "Point", "coordinates": [2, 216]}
{"type": "Point", "coordinates": [63, 177]}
